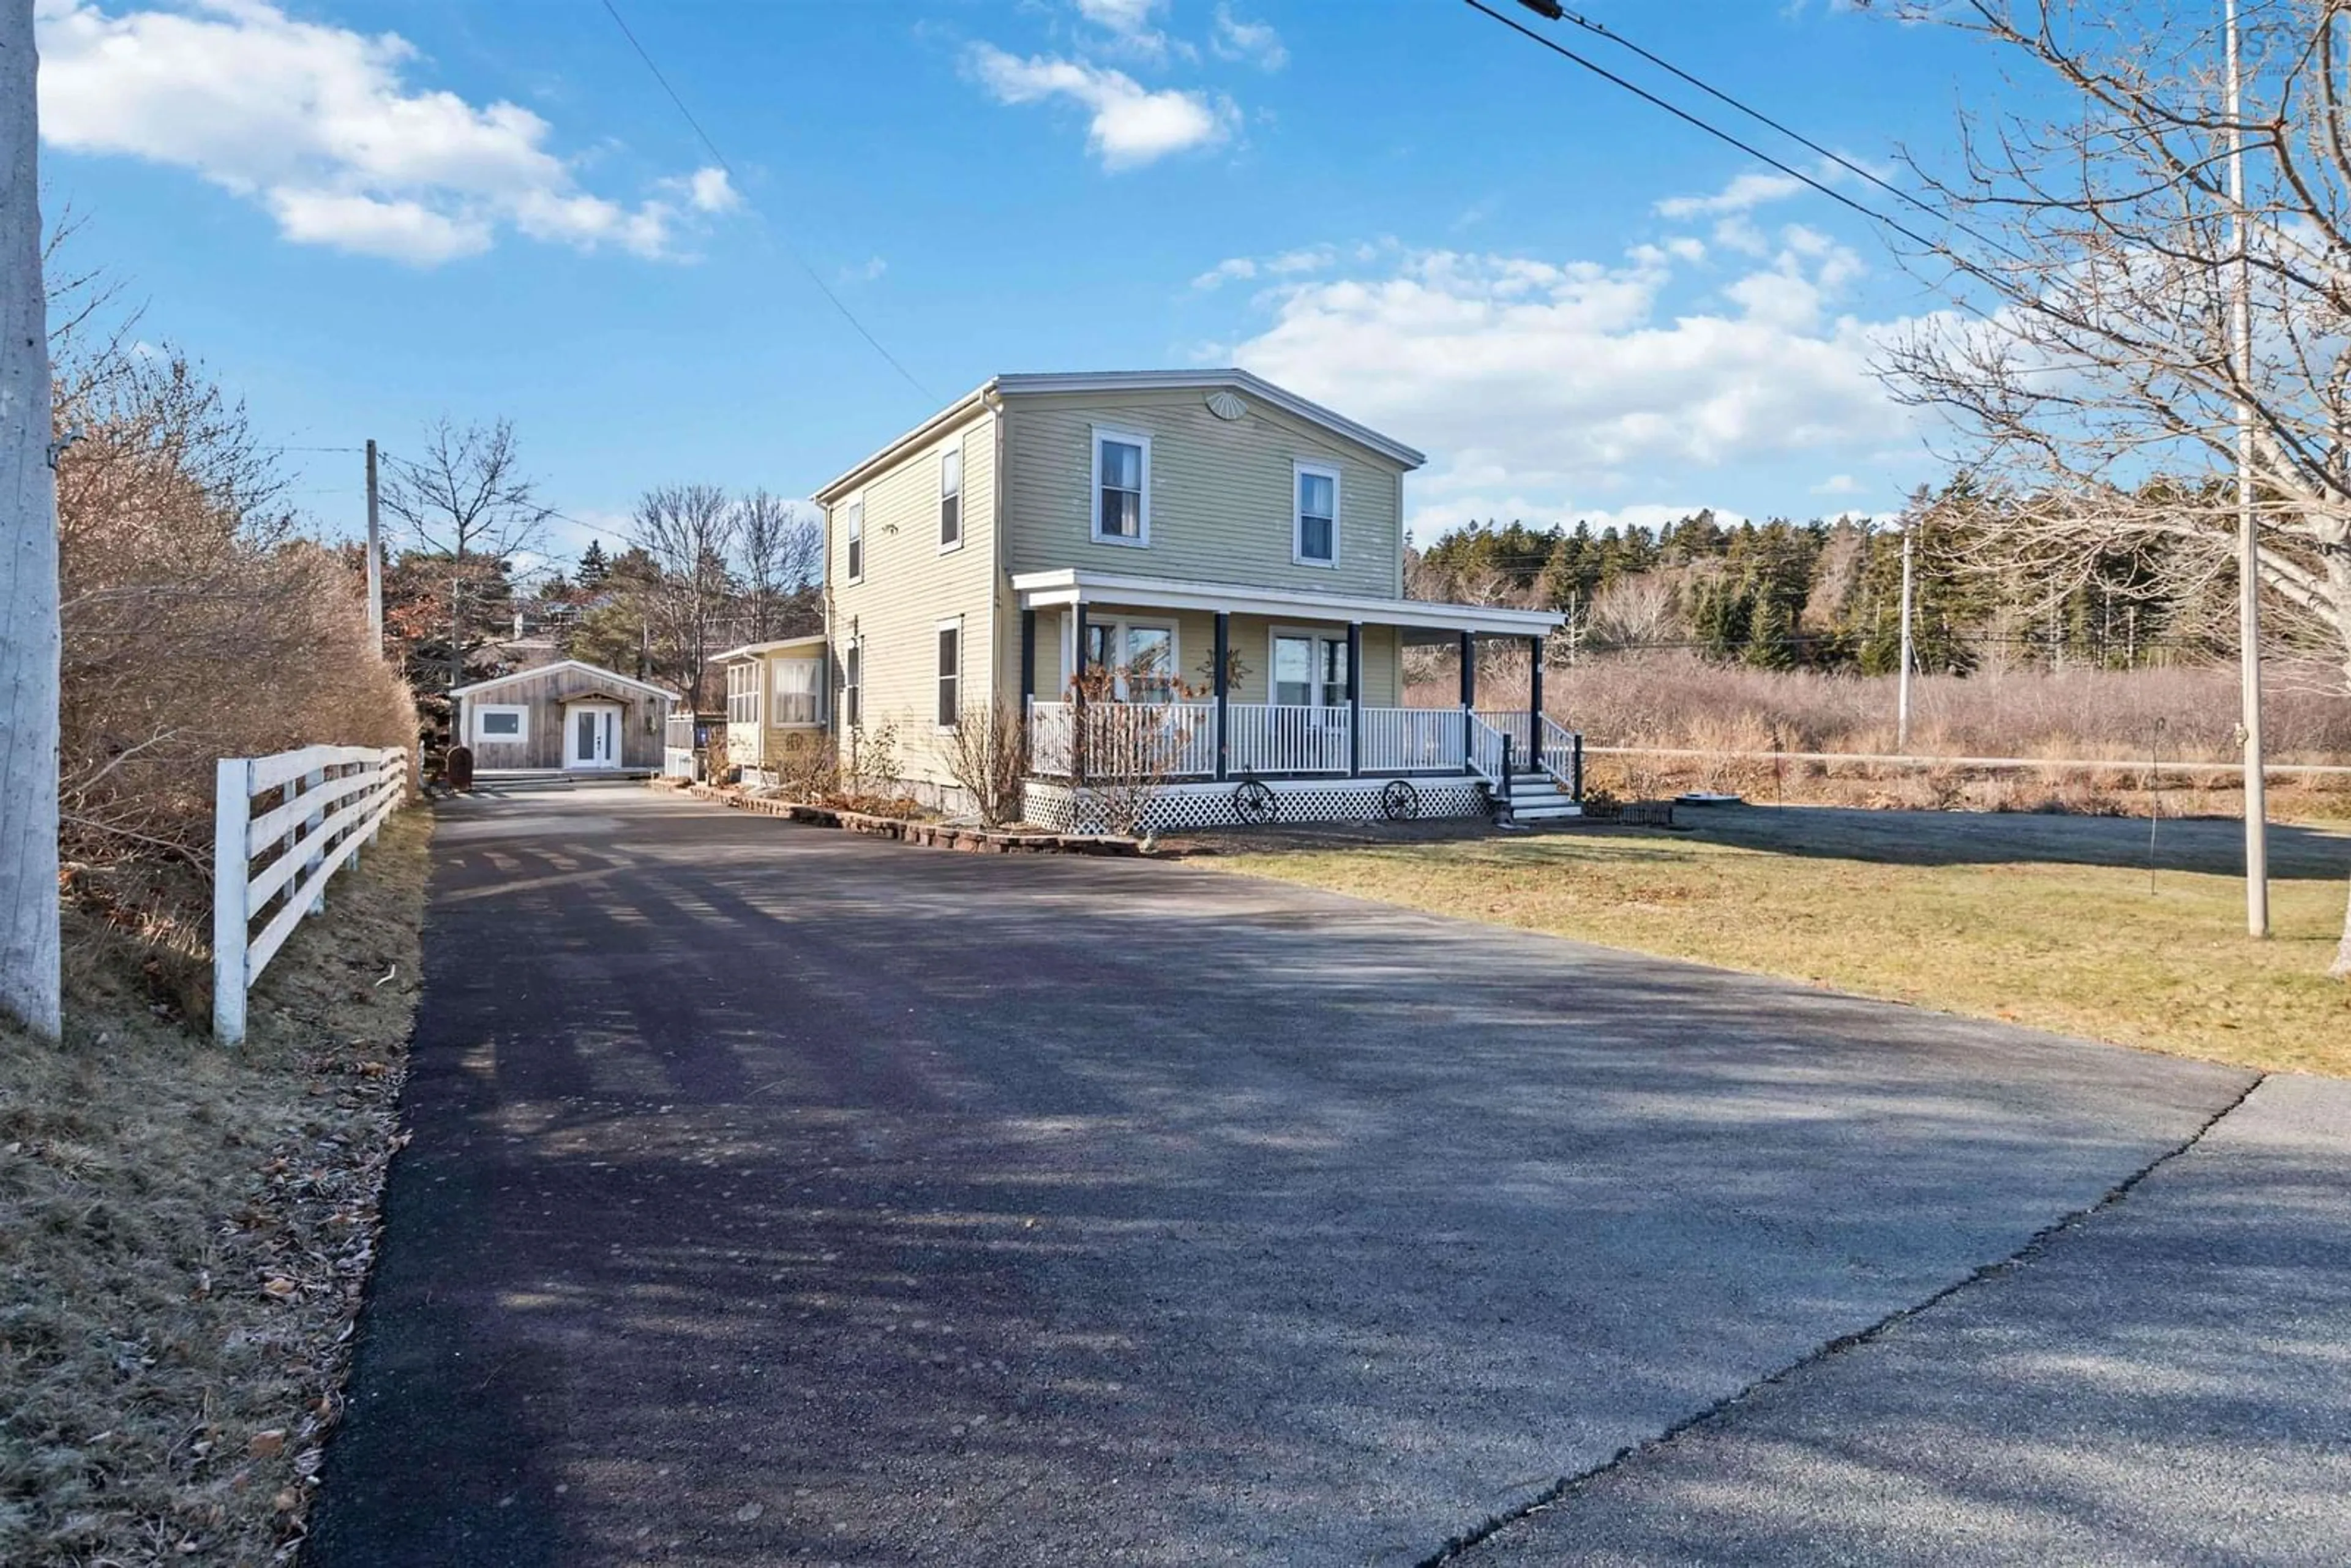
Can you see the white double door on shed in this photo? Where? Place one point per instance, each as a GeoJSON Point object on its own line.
{"type": "Point", "coordinates": [591, 736]}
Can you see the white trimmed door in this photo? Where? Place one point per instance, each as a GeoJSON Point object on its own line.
{"type": "Point", "coordinates": [591, 736]}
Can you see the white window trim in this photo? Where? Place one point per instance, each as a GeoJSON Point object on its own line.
{"type": "Point", "coordinates": [1093, 490]}
{"type": "Point", "coordinates": [852, 527]}
{"type": "Point", "coordinates": [1312, 634]}
{"type": "Point", "coordinates": [774, 668]}
{"type": "Point", "coordinates": [1118, 626]}
{"type": "Point", "coordinates": [1298, 469]}
{"type": "Point", "coordinates": [482, 710]}
{"type": "Point", "coordinates": [963, 513]}
{"type": "Point", "coordinates": [963, 668]}
{"type": "Point", "coordinates": [852, 692]}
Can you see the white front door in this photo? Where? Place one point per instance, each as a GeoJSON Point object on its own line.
{"type": "Point", "coordinates": [591, 736]}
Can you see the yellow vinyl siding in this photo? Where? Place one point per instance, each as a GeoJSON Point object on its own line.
{"type": "Point", "coordinates": [1221, 493]}
{"type": "Point", "coordinates": [910, 585]}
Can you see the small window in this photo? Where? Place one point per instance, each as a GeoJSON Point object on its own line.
{"type": "Point", "coordinates": [950, 677]}
{"type": "Point", "coordinates": [951, 498]}
{"type": "Point", "coordinates": [856, 530]}
{"type": "Point", "coordinates": [1316, 539]}
{"type": "Point", "coordinates": [852, 657]}
{"type": "Point", "coordinates": [1121, 487]}
{"type": "Point", "coordinates": [501, 723]}
{"type": "Point", "coordinates": [743, 693]}
{"type": "Point", "coordinates": [796, 690]}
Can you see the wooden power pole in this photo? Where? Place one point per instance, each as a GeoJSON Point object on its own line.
{"type": "Point", "coordinates": [29, 983]}
{"type": "Point", "coordinates": [2249, 547]}
{"type": "Point", "coordinates": [375, 554]}
{"type": "Point", "coordinates": [1902, 685]}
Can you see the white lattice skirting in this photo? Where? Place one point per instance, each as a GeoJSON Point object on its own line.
{"type": "Point", "coordinates": [1179, 806]}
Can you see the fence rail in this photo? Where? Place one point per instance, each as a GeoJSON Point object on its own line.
{"type": "Point", "coordinates": [1412, 740]}
{"type": "Point", "coordinates": [274, 866]}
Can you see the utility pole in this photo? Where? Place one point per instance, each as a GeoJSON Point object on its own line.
{"type": "Point", "coordinates": [29, 976]}
{"type": "Point", "coordinates": [375, 555]}
{"type": "Point", "coordinates": [2248, 548]}
{"type": "Point", "coordinates": [1902, 687]}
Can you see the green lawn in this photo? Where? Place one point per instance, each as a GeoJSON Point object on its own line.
{"type": "Point", "coordinates": [2047, 921]}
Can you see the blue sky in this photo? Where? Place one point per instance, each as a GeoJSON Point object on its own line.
{"type": "Point", "coordinates": [364, 215]}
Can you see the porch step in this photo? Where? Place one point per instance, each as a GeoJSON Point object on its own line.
{"type": "Point", "coordinates": [1543, 809]}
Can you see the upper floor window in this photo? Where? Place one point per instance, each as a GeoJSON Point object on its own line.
{"type": "Point", "coordinates": [855, 527]}
{"type": "Point", "coordinates": [852, 657]}
{"type": "Point", "coordinates": [951, 498]}
{"type": "Point", "coordinates": [1121, 487]}
{"type": "Point", "coordinates": [1314, 539]}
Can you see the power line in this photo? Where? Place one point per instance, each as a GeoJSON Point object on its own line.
{"type": "Point", "coordinates": [1601, 30]}
{"type": "Point", "coordinates": [1555, 46]}
{"type": "Point", "coordinates": [789, 249]}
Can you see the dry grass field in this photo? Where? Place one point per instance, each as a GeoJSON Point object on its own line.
{"type": "Point", "coordinates": [184, 1230]}
{"type": "Point", "coordinates": [2048, 921]}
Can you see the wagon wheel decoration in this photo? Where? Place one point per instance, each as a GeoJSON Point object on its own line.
{"type": "Point", "coordinates": [1253, 800]}
{"type": "Point", "coordinates": [1399, 802]}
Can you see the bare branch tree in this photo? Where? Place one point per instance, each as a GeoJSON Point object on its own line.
{"type": "Point", "coordinates": [2094, 383]}
{"type": "Point", "coordinates": [689, 531]}
{"type": "Point", "coordinates": [779, 551]}
{"type": "Point", "coordinates": [466, 499]}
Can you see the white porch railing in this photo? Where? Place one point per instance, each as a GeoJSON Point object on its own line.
{"type": "Point", "coordinates": [1123, 740]}
{"type": "Point", "coordinates": [1412, 740]}
{"type": "Point", "coordinates": [1286, 738]}
{"type": "Point", "coordinates": [1486, 750]}
{"type": "Point", "coordinates": [1519, 724]}
{"type": "Point", "coordinates": [332, 798]}
{"type": "Point", "coordinates": [1562, 755]}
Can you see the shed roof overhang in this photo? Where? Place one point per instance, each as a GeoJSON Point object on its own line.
{"type": "Point", "coordinates": [778, 645]}
{"type": "Point", "coordinates": [1045, 590]}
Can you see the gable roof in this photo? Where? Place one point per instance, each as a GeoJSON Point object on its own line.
{"type": "Point", "coordinates": [1029, 384]}
{"type": "Point", "coordinates": [580, 665]}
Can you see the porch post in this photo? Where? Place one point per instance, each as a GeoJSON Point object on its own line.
{"type": "Point", "coordinates": [1534, 700]}
{"type": "Point", "coordinates": [1223, 684]}
{"type": "Point", "coordinates": [1028, 658]}
{"type": "Point", "coordinates": [1078, 654]}
{"type": "Point", "coordinates": [1354, 699]}
{"type": "Point", "coordinates": [1469, 690]}
{"type": "Point", "coordinates": [1081, 712]}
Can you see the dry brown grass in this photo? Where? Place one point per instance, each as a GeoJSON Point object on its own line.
{"type": "Point", "coordinates": [184, 1231]}
{"type": "Point", "coordinates": [1676, 701]}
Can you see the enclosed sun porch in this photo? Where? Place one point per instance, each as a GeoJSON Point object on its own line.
{"type": "Point", "coordinates": [1278, 703]}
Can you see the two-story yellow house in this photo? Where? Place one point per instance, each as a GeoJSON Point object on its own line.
{"type": "Point", "coordinates": [1201, 543]}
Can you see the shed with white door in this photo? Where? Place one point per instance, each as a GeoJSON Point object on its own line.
{"type": "Point", "coordinates": [568, 718]}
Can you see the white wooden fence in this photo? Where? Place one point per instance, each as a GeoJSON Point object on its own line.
{"type": "Point", "coordinates": [330, 799]}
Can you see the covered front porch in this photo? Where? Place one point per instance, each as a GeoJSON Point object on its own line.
{"type": "Point", "coordinates": [1295, 695]}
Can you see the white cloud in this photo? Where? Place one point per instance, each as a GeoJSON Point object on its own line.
{"type": "Point", "coordinates": [1131, 125]}
{"type": "Point", "coordinates": [1838, 485]}
{"type": "Point", "coordinates": [867, 271]}
{"type": "Point", "coordinates": [1743, 195]}
{"type": "Point", "coordinates": [1532, 381]}
{"type": "Point", "coordinates": [1255, 42]}
{"type": "Point", "coordinates": [1132, 28]}
{"type": "Point", "coordinates": [1287, 264]}
{"type": "Point", "coordinates": [320, 126]}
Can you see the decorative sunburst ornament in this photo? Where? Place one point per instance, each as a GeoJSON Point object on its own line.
{"type": "Point", "coordinates": [1225, 405]}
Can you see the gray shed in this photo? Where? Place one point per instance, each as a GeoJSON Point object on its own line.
{"type": "Point", "coordinates": [565, 718]}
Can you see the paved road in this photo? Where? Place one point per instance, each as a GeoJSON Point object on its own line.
{"type": "Point", "coordinates": [779, 1195]}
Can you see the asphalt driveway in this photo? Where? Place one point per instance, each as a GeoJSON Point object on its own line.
{"type": "Point", "coordinates": [777, 1195]}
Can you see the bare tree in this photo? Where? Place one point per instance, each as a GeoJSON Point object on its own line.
{"type": "Point", "coordinates": [1640, 611]}
{"type": "Point", "coordinates": [29, 974]}
{"type": "Point", "coordinates": [466, 500]}
{"type": "Point", "coordinates": [689, 531]}
{"type": "Point", "coordinates": [780, 550]}
{"type": "Point", "coordinates": [2095, 380]}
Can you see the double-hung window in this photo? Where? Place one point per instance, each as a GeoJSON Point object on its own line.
{"type": "Point", "coordinates": [855, 525]}
{"type": "Point", "coordinates": [950, 674]}
{"type": "Point", "coordinates": [851, 658]}
{"type": "Point", "coordinates": [743, 693]}
{"type": "Point", "coordinates": [1121, 487]}
{"type": "Point", "coordinates": [951, 498]}
{"type": "Point", "coordinates": [1314, 537]}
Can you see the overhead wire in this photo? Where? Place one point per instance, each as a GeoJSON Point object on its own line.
{"type": "Point", "coordinates": [783, 238]}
